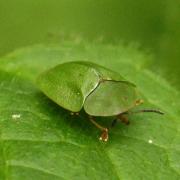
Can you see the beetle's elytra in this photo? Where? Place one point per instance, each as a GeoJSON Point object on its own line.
{"type": "Point", "coordinates": [81, 84]}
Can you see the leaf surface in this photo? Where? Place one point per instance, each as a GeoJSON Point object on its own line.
{"type": "Point", "coordinates": [40, 140]}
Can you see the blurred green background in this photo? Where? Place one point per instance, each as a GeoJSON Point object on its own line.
{"type": "Point", "coordinates": [152, 24]}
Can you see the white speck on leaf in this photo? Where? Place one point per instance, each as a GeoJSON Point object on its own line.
{"type": "Point", "coordinates": [16, 116]}
{"type": "Point", "coordinates": [150, 141]}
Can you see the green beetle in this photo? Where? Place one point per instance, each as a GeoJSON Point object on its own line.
{"type": "Point", "coordinates": [100, 91]}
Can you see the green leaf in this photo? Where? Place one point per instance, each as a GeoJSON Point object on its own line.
{"type": "Point", "coordinates": [40, 140]}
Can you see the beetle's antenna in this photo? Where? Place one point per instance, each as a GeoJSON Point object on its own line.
{"type": "Point", "coordinates": [146, 110]}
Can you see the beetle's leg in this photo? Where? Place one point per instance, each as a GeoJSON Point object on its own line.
{"type": "Point", "coordinates": [123, 119]}
{"type": "Point", "coordinates": [74, 113]}
{"type": "Point", "coordinates": [104, 136]}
